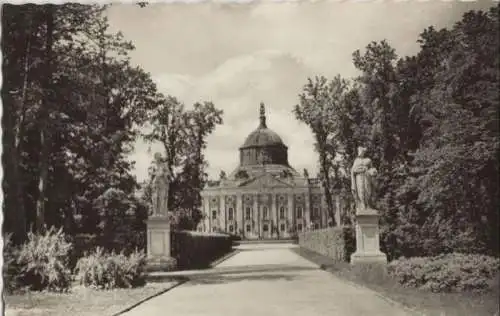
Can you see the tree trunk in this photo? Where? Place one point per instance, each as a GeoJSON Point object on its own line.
{"type": "Point", "coordinates": [44, 118]}
{"type": "Point", "coordinates": [327, 184]}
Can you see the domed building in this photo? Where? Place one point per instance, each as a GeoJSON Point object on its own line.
{"type": "Point", "coordinates": [264, 197]}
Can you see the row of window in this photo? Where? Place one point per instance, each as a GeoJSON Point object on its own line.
{"type": "Point", "coordinates": [265, 228]}
{"type": "Point", "coordinates": [265, 213]}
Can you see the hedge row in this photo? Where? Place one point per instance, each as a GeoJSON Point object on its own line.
{"type": "Point", "coordinates": [194, 250]}
{"type": "Point", "coordinates": [337, 243]}
{"type": "Point", "coordinates": [453, 272]}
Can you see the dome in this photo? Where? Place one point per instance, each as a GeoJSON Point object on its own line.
{"type": "Point", "coordinates": [263, 146]}
{"type": "Point", "coordinates": [263, 136]}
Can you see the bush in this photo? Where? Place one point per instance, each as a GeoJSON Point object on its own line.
{"type": "Point", "coordinates": [10, 266]}
{"type": "Point", "coordinates": [446, 273]}
{"type": "Point", "coordinates": [42, 262]}
{"type": "Point", "coordinates": [197, 250]}
{"type": "Point", "coordinates": [103, 270]}
{"type": "Point", "coordinates": [337, 243]}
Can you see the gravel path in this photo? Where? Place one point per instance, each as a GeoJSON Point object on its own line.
{"type": "Point", "coordinates": [267, 280]}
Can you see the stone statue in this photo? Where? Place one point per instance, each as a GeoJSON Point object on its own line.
{"type": "Point", "coordinates": [362, 181]}
{"type": "Point", "coordinates": [161, 187]}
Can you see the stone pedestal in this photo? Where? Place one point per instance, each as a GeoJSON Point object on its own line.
{"type": "Point", "coordinates": [158, 244]}
{"type": "Point", "coordinates": [367, 240]}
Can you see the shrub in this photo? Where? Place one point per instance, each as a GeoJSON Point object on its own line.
{"type": "Point", "coordinates": [197, 250]}
{"type": "Point", "coordinates": [10, 266]}
{"type": "Point", "coordinates": [43, 261]}
{"type": "Point", "coordinates": [337, 243]}
{"type": "Point", "coordinates": [446, 273]}
{"type": "Point", "coordinates": [103, 270]}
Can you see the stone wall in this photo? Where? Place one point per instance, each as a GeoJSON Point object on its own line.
{"type": "Point", "coordinates": [197, 250]}
{"type": "Point", "coordinates": [334, 242]}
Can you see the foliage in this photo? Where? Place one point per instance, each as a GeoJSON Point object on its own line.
{"type": "Point", "coordinates": [337, 243]}
{"type": "Point", "coordinates": [431, 128]}
{"type": "Point", "coordinates": [447, 272]}
{"type": "Point", "coordinates": [10, 267]}
{"type": "Point", "coordinates": [74, 106]}
{"type": "Point", "coordinates": [43, 261]}
{"type": "Point", "coordinates": [197, 250]}
{"type": "Point", "coordinates": [183, 134]}
{"type": "Point", "coordinates": [103, 270]}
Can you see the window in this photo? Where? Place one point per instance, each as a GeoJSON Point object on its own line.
{"type": "Point", "coordinates": [265, 228]}
{"type": "Point", "coordinates": [316, 212]}
{"type": "Point", "coordinates": [265, 213]}
{"type": "Point", "coordinates": [214, 214]}
{"type": "Point", "coordinates": [248, 228]}
{"type": "Point", "coordinates": [282, 227]}
{"type": "Point", "coordinates": [299, 212]}
{"type": "Point", "coordinates": [299, 227]}
{"type": "Point", "coordinates": [316, 226]}
{"type": "Point", "coordinates": [214, 229]}
{"type": "Point", "coordinates": [282, 212]}
{"type": "Point", "coordinates": [231, 228]}
{"type": "Point", "coordinates": [247, 214]}
{"type": "Point", "coordinates": [230, 214]}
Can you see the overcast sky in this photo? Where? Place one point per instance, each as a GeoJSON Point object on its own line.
{"type": "Point", "coordinates": [237, 55]}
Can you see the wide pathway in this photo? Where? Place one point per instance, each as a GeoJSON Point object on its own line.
{"type": "Point", "coordinates": [267, 279]}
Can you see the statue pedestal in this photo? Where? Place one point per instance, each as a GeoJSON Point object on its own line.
{"type": "Point", "coordinates": [367, 240]}
{"type": "Point", "coordinates": [158, 244]}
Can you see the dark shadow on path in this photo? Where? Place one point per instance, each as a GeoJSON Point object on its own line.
{"type": "Point", "coordinates": [225, 279]}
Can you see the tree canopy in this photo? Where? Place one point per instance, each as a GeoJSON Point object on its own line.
{"type": "Point", "coordinates": [430, 122]}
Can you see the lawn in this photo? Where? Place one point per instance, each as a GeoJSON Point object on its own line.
{"type": "Point", "coordinates": [80, 301]}
{"type": "Point", "coordinates": [426, 303]}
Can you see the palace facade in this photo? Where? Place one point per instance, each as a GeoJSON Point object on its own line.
{"type": "Point", "coordinates": [264, 197]}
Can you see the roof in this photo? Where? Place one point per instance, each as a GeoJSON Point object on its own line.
{"type": "Point", "coordinates": [263, 136]}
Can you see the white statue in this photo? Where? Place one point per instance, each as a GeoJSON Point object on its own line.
{"type": "Point", "coordinates": [161, 187]}
{"type": "Point", "coordinates": [362, 181]}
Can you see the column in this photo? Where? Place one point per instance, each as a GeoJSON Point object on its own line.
{"type": "Point", "coordinates": [273, 214]}
{"type": "Point", "coordinates": [291, 220]}
{"type": "Point", "coordinates": [307, 211]}
{"type": "Point", "coordinates": [222, 212]}
{"type": "Point", "coordinates": [239, 213]}
{"type": "Point", "coordinates": [255, 217]}
{"type": "Point", "coordinates": [206, 210]}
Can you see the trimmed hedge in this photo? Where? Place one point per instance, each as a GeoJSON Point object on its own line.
{"type": "Point", "coordinates": [337, 243]}
{"type": "Point", "coordinates": [453, 272]}
{"type": "Point", "coordinates": [194, 250]}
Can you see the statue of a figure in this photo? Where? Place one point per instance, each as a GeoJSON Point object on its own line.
{"type": "Point", "coordinates": [161, 186]}
{"type": "Point", "coordinates": [362, 181]}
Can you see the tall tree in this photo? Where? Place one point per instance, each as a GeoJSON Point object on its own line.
{"type": "Point", "coordinates": [183, 134]}
{"type": "Point", "coordinates": [319, 103]}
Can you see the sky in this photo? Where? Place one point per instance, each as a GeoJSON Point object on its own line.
{"type": "Point", "coordinates": [238, 55]}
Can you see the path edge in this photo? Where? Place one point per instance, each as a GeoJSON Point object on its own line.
{"type": "Point", "coordinates": [177, 283]}
{"type": "Point", "coordinates": [230, 254]}
{"type": "Point", "coordinates": [324, 267]}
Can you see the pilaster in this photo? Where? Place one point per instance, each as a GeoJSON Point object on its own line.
{"type": "Point", "coordinates": [290, 213]}
{"type": "Point", "coordinates": [273, 215]}
{"type": "Point", "coordinates": [239, 214]}
{"type": "Point", "coordinates": [221, 216]}
{"type": "Point", "coordinates": [255, 215]}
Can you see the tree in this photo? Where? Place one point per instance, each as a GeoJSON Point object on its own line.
{"type": "Point", "coordinates": [183, 135]}
{"type": "Point", "coordinates": [75, 105]}
{"type": "Point", "coordinates": [319, 102]}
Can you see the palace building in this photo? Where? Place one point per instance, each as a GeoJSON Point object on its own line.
{"type": "Point", "coordinates": [264, 197]}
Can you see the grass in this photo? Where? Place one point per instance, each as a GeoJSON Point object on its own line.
{"type": "Point", "coordinates": [80, 301]}
{"type": "Point", "coordinates": [426, 303]}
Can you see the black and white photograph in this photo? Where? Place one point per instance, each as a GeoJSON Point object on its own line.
{"type": "Point", "coordinates": [224, 157]}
